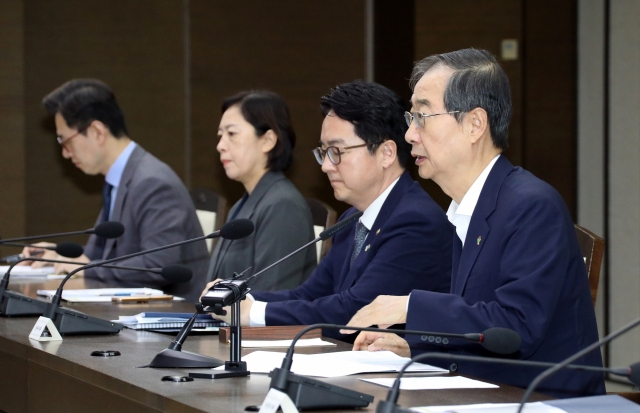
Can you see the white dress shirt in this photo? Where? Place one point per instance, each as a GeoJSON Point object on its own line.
{"type": "Point", "coordinates": [460, 215]}
{"type": "Point", "coordinates": [368, 218]}
{"type": "Point", "coordinates": [114, 175]}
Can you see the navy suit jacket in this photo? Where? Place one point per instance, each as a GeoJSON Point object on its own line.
{"type": "Point", "coordinates": [409, 246]}
{"type": "Point", "coordinates": [521, 268]}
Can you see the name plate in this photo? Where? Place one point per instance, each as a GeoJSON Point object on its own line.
{"type": "Point", "coordinates": [275, 398]}
{"type": "Point", "coordinates": [45, 330]}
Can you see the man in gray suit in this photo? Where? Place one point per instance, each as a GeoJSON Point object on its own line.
{"type": "Point", "coordinates": [140, 191]}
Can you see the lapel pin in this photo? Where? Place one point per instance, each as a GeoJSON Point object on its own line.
{"type": "Point", "coordinates": [367, 247]}
{"type": "Point", "coordinates": [479, 239]}
{"type": "Point", "coordinates": [378, 231]}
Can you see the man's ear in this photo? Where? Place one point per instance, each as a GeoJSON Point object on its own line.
{"type": "Point", "coordinates": [389, 152]}
{"type": "Point", "coordinates": [269, 140]}
{"type": "Point", "coordinates": [477, 124]}
{"type": "Point", "coordinates": [100, 130]}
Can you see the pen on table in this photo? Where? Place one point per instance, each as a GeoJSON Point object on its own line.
{"type": "Point", "coordinates": [124, 294]}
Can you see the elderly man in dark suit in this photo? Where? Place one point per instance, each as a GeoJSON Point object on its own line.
{"type": "Point", "coordinates": [140, 191]}
{"type": "Point", "coordinates": [516, 259]}
{"type": "Point", "coordinates": [403, 239]}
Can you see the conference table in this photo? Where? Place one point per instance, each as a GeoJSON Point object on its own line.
{"type": "Point", "coordinates": [62, 376]}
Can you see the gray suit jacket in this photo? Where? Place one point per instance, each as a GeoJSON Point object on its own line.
{"type": "Point", "coordinates": [155, 209]}
{"type": "Point", "coordinates": [282, 223]}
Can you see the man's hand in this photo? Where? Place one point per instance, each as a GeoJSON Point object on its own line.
{"type": "Point", "coordinates": [245, 307]}
{"type": "Point", "coordinates": [385, 310]}
{"type": "Point", "coordinates": [39, 253]}
{"type": "Point", "coordinates": [375, 341]}
{"type": "Point", "coordinates": [67, 268]}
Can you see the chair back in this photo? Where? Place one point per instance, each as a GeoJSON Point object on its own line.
{"type": "Point", "coordinates": [592, 247]}
{"type": "Point", "coordinates": [211, 209]}
{"type": "Point", "coordinates": [323, 217]}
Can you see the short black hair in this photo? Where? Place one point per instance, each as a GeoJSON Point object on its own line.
{"type": "Point", "coordinates": [376, 112]}
{"type": "Point", "coordinates": [477, 81]}
{"type": "Point", "coordinates": [81, 101]}
{"type": "Point", "coordinates": [266, 110]}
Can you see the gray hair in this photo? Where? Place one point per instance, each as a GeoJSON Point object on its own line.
{"type": "Point", "coordinates": [477, 81]}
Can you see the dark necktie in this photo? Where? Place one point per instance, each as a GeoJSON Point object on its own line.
{"type": "Point", "coordinates": [106, 209]}
{"type": "Point", "coordinates": [361, 235]}
{"type": "Point", "coordinates": [106, 201]}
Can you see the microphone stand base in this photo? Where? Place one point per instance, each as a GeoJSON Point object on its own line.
{"type": "Point", "coordinates": [310, 394]}
{"type": "Point", "coordinates": [231, 369]}
{"type": "Point", "coordinates": [19, 305]}
{"type": "Point", "coordinates": [170, 359]}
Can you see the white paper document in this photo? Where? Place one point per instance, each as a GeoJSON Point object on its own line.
{"type": "Point", "coordinates": [97, 295]}
{"type": "Point", "coordinates": [305, 342]}
{"type": "Point", "coordinates": [433, 383]}
{"type": "Point", "coordinates": [341, 363]}
{"type": "Point", "coordinates": [25, 271]}
{"type": "Point", "coordinates": [537, 407]}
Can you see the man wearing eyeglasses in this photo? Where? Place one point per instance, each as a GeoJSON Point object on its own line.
{"type": "Point", "coordinates": [403, 239]}
{"type": "Point", "coordinates": [140, 191]}
{"type": "Point", "coordinates": [516, 259]}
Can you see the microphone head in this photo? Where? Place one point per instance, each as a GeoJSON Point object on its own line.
{"type": "Point", "coordinates": [634, 373]}
{"type": "Point", "coordinates": [236, 229]}
{"type": "Point", "coordinates": [176, 273]}
{"type": "Point", "coordinates": [109, 229]}
{"type": "Point", "coordinates": [501, 340]}
{"type": "Point", "coordinates": [69, 249]}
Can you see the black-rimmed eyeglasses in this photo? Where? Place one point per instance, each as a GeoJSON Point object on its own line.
{"type": "Point", "coordinates": [333, 152]}
{"type": "Point", "coordinates": [420, 118]}
{"type": "Point", "coordinates": [63, 141]}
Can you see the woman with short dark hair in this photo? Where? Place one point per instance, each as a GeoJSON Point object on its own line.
{"type": "Point", "coordinates": [255, 142]}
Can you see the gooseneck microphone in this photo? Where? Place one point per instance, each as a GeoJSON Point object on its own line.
{"type": "Point", "coordinates": [312, 394]}
{"type": "Point", "coordinates": [14, 304]}
{"type": "Point", "coordinates": [323, 236]}
{"type": "Point", "coordinates": [67, 324]}
{"type": "Point", "coordinates": [390, 404]}
{"type": "Point", "coordinates": [545, 374]}
{"type": "Point", "coordinates": [65, 249]}
{"type": "Point", "coordinates": [226, 292]}
{"type": "Point", "coordinates": [108, 229]}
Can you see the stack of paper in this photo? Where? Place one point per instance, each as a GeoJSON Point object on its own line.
{"type": "Point", "coordinates": [157, 321]}
{"type": "Point", "coordinates": [305, 342]}
{"type": "Point", "coordinates": [97, 295]}
{"type": "Point", "coordinates": [25, 271]}
{"type": "Point", "coordinates": [433, 383]}
{"type": "Point", "coordinates": [341, 363]}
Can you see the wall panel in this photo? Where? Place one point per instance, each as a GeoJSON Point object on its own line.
{"type": "Point", "coordinates": [550, 95]}
{"type": "Point", "coordinates": [297, 49]}
{"type": "Point", "coordinates": [12, 163]}
{"type": "Point", "coordinates": [447, 26]}
{"type": "Point", "coordinates": [136, 48]}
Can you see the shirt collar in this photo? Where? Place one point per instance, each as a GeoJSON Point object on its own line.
{"type": "Point", "coordinates": [370, 214]}
{"type": "Point", "coordinates": [114, 175]}
{"type": "Point", "coordinates": [470, 199]}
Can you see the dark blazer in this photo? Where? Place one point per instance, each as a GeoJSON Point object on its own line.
{"type": "Point", "coordinates": [409, 246]}
{"type": "Point", "coordinates": [283, 223]}
{"type": "Point", "coordinates": [521, 268]}
{"type": "Point", "coordinates": [155, 209]}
